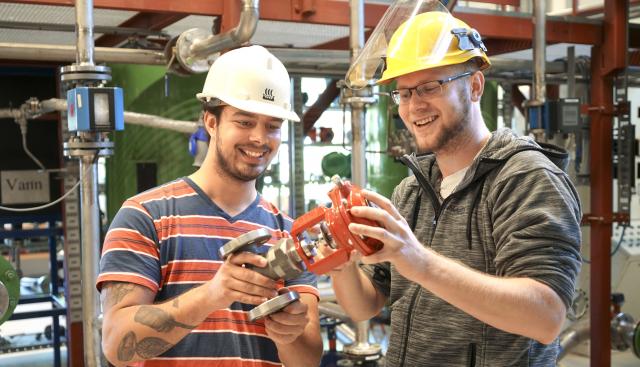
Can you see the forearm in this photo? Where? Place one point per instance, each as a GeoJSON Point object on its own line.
{"type": "Point", "coordinates": [356, 294]}
{"type": "Point", "coordinates": [141, 332]}
{"type": "Point", "coordinates": [517, 305]}
{"type": "Point", "coordinates": [306, 350]}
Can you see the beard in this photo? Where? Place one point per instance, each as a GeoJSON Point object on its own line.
{"type": "Point", "coordinates": [235, 171]}
{"type": "Point", "coordinates": [450, 133]}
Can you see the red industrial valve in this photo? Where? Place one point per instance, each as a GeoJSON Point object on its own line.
{"type": "Point", "coordinates": [336, 233]}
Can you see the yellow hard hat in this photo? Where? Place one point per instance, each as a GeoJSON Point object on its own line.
{"type": "Point", "coordinates": [415, 35]}
{"type": "Point", "coordinates": [430, 40]}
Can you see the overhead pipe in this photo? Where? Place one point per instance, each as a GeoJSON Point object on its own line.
{"type": "Point", "coordinates": [240, 34]}
{"type": "Point", "coordinates": [43, 52]}
{"type": "Point", "coordinates": [195, 49]}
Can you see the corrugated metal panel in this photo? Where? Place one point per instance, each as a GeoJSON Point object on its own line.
{"type": "Point", "coordinates": [51, 15]}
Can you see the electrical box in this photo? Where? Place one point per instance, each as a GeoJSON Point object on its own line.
{"type": "Point", "coordinates": [95, 109]}
{"type": "Point", "coordinates": [562, 115]}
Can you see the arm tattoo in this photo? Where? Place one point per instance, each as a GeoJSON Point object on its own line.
{"type": "Point", "coordinates": [116, 292]}
{"type": "Point", "coordinates": [158, 319]}
{"type": "Point", "coordinates": [127, 347]}
{"type": "Point", "coordinates": [176, 303]}
{"type": "Point", "coordinates": [152, 347]}
{"type": "Point", "coordinates": [147, 348]}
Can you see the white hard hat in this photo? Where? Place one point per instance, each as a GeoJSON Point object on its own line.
{"type": "Point", "coordinates": [250, 79]}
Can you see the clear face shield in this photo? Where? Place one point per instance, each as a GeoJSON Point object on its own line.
{"type": "Point", "coordinates": [398, 28]}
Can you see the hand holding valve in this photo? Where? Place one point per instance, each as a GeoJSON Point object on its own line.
{"type": "Point", "coordinates": [289, 257]}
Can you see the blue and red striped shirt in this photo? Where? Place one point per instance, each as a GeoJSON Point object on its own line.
{"type": "Point", "coordinates": [167, 239]}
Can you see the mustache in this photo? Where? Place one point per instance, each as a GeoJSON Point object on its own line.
{"type": "Point", "coordinates": [264, 147]}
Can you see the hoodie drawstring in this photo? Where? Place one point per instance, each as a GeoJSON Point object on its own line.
{"type": "Point", "coordinates": [476, 198]}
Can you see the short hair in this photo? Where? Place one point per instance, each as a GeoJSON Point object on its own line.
{"type": "Point", "coordinates": [216, 111]}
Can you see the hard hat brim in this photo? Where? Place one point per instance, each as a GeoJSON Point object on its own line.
{"type": "Point", "coordinates": [257, 107]}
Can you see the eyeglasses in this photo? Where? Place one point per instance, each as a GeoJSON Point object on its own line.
{"type": "Point", "coordinates": [430, 88]}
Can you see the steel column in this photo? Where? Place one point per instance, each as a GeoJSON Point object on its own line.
{"type": "Point", "coordinates": [84, 32]}
{"type": "Point", "coordinates": [90, 259]}
{"type": "Point", "coordinates": [356, 42]}
{"type": "Point", "coordinates": [539, 51]}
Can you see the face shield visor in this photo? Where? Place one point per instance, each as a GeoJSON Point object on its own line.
{"type": "Point", "coordinates": [414, 35]}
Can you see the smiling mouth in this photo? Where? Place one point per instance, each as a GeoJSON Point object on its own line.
{"type": "Point", "coordinates": [253, 154]}
{"type": "Point", "coordinates": [425, 121]}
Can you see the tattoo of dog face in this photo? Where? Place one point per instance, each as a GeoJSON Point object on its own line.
{"type": "Point", "coordinates": [147, 348]}
{"type": "Point", "coordinates": [158, 319]}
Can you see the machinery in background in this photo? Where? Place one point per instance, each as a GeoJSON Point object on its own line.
{"type": "Point", "coordinates": [9, 289]}
{"type": "Point", "coordinates": [625, 332]}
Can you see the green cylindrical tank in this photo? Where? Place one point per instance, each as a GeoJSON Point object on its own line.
{"type": "Point", "coordinates": [144, 92]}
{"type": "Point", "coordinates": [384, 173]}
{"type": "Point", "coordinates": [489, 105]}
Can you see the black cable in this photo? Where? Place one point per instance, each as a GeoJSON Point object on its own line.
{"type": "Point", "coordinates": [615, 249]}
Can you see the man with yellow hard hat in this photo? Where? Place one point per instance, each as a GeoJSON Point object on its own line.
{"type": "Point", "coordinates": [482, 244]}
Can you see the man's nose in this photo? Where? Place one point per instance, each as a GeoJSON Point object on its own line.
{"type": "Point", "coordinates": [259, 134]}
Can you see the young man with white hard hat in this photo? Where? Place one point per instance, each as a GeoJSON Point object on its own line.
{"type": "Point", "coordinates": [168, 299]}
{"type": "Point", "coordinates": [482, 244]}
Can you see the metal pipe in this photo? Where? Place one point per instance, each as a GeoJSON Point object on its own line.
{"type": "Point", "coordinates": [241, 33]}
{"type": "Point", "coordinates": [187, 127]}
{"type": "Point", "coordinates": [347, 332]}
{"type": "Point", "coordinates": [10, 113]}
{"type": "Point", "coordinates": [572, 337]}
{"type": "Point", "coordinates": [133, 118]}
{"type": "Point", "coordinates": [333, 310]}
{"type": "Point", "coordinates": [84, 32]}
{"type": "Point", "coordinates": [356, 42]}
{"type": "Point", "coordinates": [43, 52]}
{"type": "Point", "coordinates": [90, 259]}
{"type": "Point", "coordinates": [539, 51]}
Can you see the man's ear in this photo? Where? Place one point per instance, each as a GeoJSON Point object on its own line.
{"type": "Point", "coordinates": [477, 86]}
{"type": "Point", "coordinates": [210, 122]}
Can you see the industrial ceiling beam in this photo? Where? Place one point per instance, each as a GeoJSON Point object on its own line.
{"type": "Point", "coordinates": [148, 21]}
{"type": "Point", "coordinates": [321, 104]}
{"type": "Point", "coordinates": [336, 12]}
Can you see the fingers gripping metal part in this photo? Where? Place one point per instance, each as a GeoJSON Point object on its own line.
{"type": "Point", "coordinates": [246, 242]}
{"type": "Point", "coordinates": [283, 261]}
{"type": "Point", "coordinates": [274, 305]}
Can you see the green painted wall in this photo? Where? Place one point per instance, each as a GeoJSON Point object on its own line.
{"type": "Point", "coordinates": [144, 92]}
{"type": "Point", "coordinates": [384, 173]}
{"type": "Point", "coordinates": [489, 105]}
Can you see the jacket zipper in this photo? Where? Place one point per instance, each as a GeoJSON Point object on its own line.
{"type": "Point", "coordinates": [438, 209]}
{"type": "Point", "coordinates": [405, 341]}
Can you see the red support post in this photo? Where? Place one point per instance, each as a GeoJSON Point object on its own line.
{"type": "Point", "coordinates": [606, 61]}
{"type": "Point", "coordinates": [601, 132]}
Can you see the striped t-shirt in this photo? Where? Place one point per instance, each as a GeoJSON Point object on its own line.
{"type": "Point", "coordinates": [167, 239]}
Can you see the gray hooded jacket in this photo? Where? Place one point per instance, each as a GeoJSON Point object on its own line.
{"type": "Point", "coordinates": [514, 214]}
